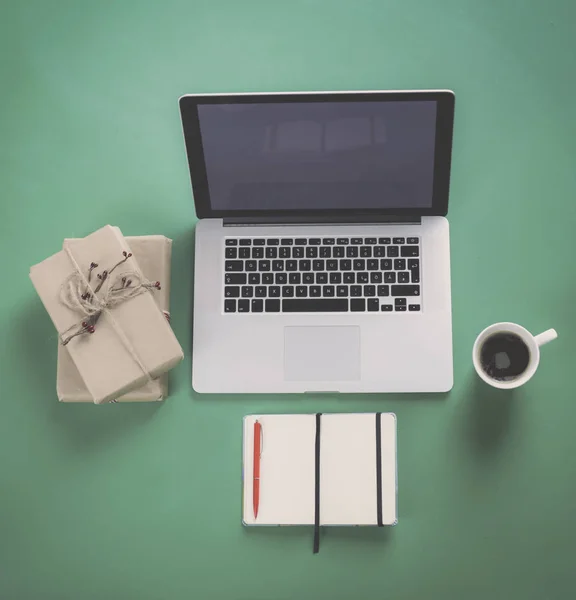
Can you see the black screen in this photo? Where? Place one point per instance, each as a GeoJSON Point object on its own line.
{"type": "Point", "coordinates": [319, 155]}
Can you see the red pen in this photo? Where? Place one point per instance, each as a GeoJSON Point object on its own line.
{"type": "Point", "coordinates": [256, 468]}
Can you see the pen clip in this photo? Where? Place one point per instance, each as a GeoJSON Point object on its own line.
{"type": "Point", "coordinates": [261, 437]}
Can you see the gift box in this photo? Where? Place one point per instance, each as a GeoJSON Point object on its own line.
{"type": "Point", "coordinates": [153, 254]}
{"type": "Point", "coordinates": [103, 309]}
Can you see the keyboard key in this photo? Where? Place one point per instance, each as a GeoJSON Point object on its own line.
{"type": "Point", "coordinates": [272, 305]}
{"type": "Point", "coordinates": [314, 242]}
{"type": "Point", "coordinates": [414, 267]}
{"type": "Point", "coordinates": [359, 264]}
{"type": "Point", "coordinates": [291, 265]}
{"type": "Point", "coordinates": [321, 277]}
{"type": "Point", "coordinates": [375, 277]}
{"type": "Point", "coordinates": [400, 264]}
{"type": "Point", "coordinates": [413, 307]}
{"type": "Point", "coordinates": [405, 290]}
{"type": "Point", "coordinates": [272, 241]}
{"type": "Point", "coordinates": [229, 306]}
{"type": "Point", "coordinates": [274, 291]}
{"type": "Point", "coordinates": [399, 301]}
{"type": "Point", "coordinates": [235, 278]}
{"type": "Point", "coordinates": [362, 277]}
{"type": "Point", "coordinates": [284, 252]}
{"type": "Point", "coordinates": [271, 252]}
{"type": "Point", "coordinates": [247, 291]}
{"type": "Point", "coordinates": [301, 291]}
{"type": "Point", "coordinates": [356, 290]}
{"type": "Point", "coordinates": [300, 241]}
{"type": "Point", "coordinates": [386, 308]}
{"type": "Point", "coordinates": [231, 253]}
{"type": "Point", "coordinates": [277, 265]}
{"type": "Point", "coordinates": [369, 290]}
{"type": "Point", "coordinates": [345, 265]}
{"type": "Point", "coordinates": [325, 252]}
{"type": "Point", "coordinates": [318, 265]}
{"type": "Point", "coordinates": [245, 242]}
{"type": "Point", "coordinates": [342, 291]}
{"type": "Point", "coordinates": [328, 291]}
{"type": "Point", "coordinates": [372, 264]}
{"type": "Point", "coordinates": [366, 251]}
{"type": "Point", "coordinates": [392, 251]}
{"type": "Point", "coordinates": [260, 291]}
{"type": "Point", "coordinates": [369, 240]}
{"type": "Point", "coordinates": [286, 242]}
{"type": "Point", "coordinates": [400, 308]}
{"type": "Point", "coordinates": [315, 305]}
{"type": "Point", "coordinates": [232, 291]}
{"type": "Point", "coordinates": [410, 251]}
{"type": "Point", "coordinates": [315, 291]}
{"type": "Point", "coordinates": [351, 252]}
{"type": "Point", "coordinates": [338, 252]}
{"type": "Point", "coordinates": [288, 291]}
{"type": "Point", "coordinates": [259, 242]}
{"type": "Point", "coordinates": [342, 241]}
{"type": "Point", "coordinates": [385, 264]}
{"type": "Point", "coordinates": [254, 278]}
{"type": "Point", "coordinates": [233, 265]}
{"type": "Point", "coordinates": [332, 265]}
{"type": "Point", "coordinates": [250, 265]}
{"type": "Point", "coordinates": [267, 278]}
{"type": "Point", "coordinates": [304, 265]}
{"type": "Point", "coordinates": [379, 251]}
{"type": "Point", "coordinates": [349, 277]}
{"type": "Point", "coordinates": [243, 305]}
{"type": "Point", "coordinates": [389, 277]}
{"type": "Point", "coordinates": [257, 252]}
{"type": "Point", "coordinates": [257, 305]}
{"type": "Point", "coordinates": [399, 240]}
{"type": "Point", "coordinates": [308, 278]}
{"type": "Point", "coordinates": [294, 278]}
{"type": "Point", "coordinates": [412, 240]}
{"type": "Point", "coordinates": [356, 241]}
{"type": "Point", "coordinates": [311, 252]}
{"type": "Point", "coordinates": [329, 241]}
{"type": "Point", "coordinates": [244, 253]}
{"type": "Point", "coordinates": [297, 252]}
{"type": "Point", "coordinates": [281, 279]}
{"type": "Point", "coordinates": [357, 305]}
{"type": "Point", "coordinates": [335, 277]}
{"type": "Point", "coordinates": [384, 240]}
{"type": "Point", "coordinates": [404, 277]}
{"type": "Point", "coordinates": [231, 242]}
{"type": "Point", "coordinates": [373, 305]}
{"type": "Point", "coordinates": [383, 290]}
{"type": "Point", "coordinates": [263, 265]}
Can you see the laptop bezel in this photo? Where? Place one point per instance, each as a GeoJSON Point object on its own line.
{"type": "Point", "coordinates": [442, 153]}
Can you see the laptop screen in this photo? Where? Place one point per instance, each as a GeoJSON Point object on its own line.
{"type": "Point", "coordinates": [319, 155]}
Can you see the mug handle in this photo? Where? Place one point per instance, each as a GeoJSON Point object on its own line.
{"type": "Point", "coordinates": [545, 337]}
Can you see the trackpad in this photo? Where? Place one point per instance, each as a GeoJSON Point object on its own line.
{"type": "Point", "coordinates": [321, 353]}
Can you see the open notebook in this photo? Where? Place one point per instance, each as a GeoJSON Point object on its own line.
{"type": "Point", "coordinates": [322, 469]}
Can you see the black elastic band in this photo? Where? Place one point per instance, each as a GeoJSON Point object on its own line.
{"type": "Point", "coordinates": [379, 470]}
{"type": "Point", "coordinates": [317, 488]}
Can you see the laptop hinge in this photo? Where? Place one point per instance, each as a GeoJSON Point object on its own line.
{"type": "Point", "coordinates": [359, 219]}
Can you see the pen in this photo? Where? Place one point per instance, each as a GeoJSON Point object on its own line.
{"type": "Point", "coordinates": [256, 469]}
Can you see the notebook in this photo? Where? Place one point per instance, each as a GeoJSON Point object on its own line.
{"type": "Point", "coordinates": [322, 469]}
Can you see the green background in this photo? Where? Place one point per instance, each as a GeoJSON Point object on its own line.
{"type": "Point", "coordinates": [143, 501]}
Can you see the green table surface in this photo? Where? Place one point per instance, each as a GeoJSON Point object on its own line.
{"type": "Point", "coordinates": [143, 501]}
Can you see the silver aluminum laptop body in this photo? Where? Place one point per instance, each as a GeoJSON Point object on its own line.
{"type": "Point", "coordinates": [322, 260]}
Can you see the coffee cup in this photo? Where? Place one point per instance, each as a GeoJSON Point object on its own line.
{"type": "Point", "coordinates": [506, 355]}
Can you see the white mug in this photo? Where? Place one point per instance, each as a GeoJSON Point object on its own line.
{"type": "Point", "coordinates": [533, 343]}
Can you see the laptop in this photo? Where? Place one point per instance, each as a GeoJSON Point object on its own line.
{"type": "Point", "coordinates": [322, 259]}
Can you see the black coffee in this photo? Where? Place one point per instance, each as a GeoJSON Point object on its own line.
{"type": "Point", "coordinates": [504, 356]}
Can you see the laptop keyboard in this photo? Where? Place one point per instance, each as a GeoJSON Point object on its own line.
{"type": "Point", "coordinates": [311, 275]}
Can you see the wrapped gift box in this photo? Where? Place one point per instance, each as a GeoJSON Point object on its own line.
{"type": "Point", "coordinates": [153, 254]}
{"type": "Point", "coordinates": [103, 309]}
